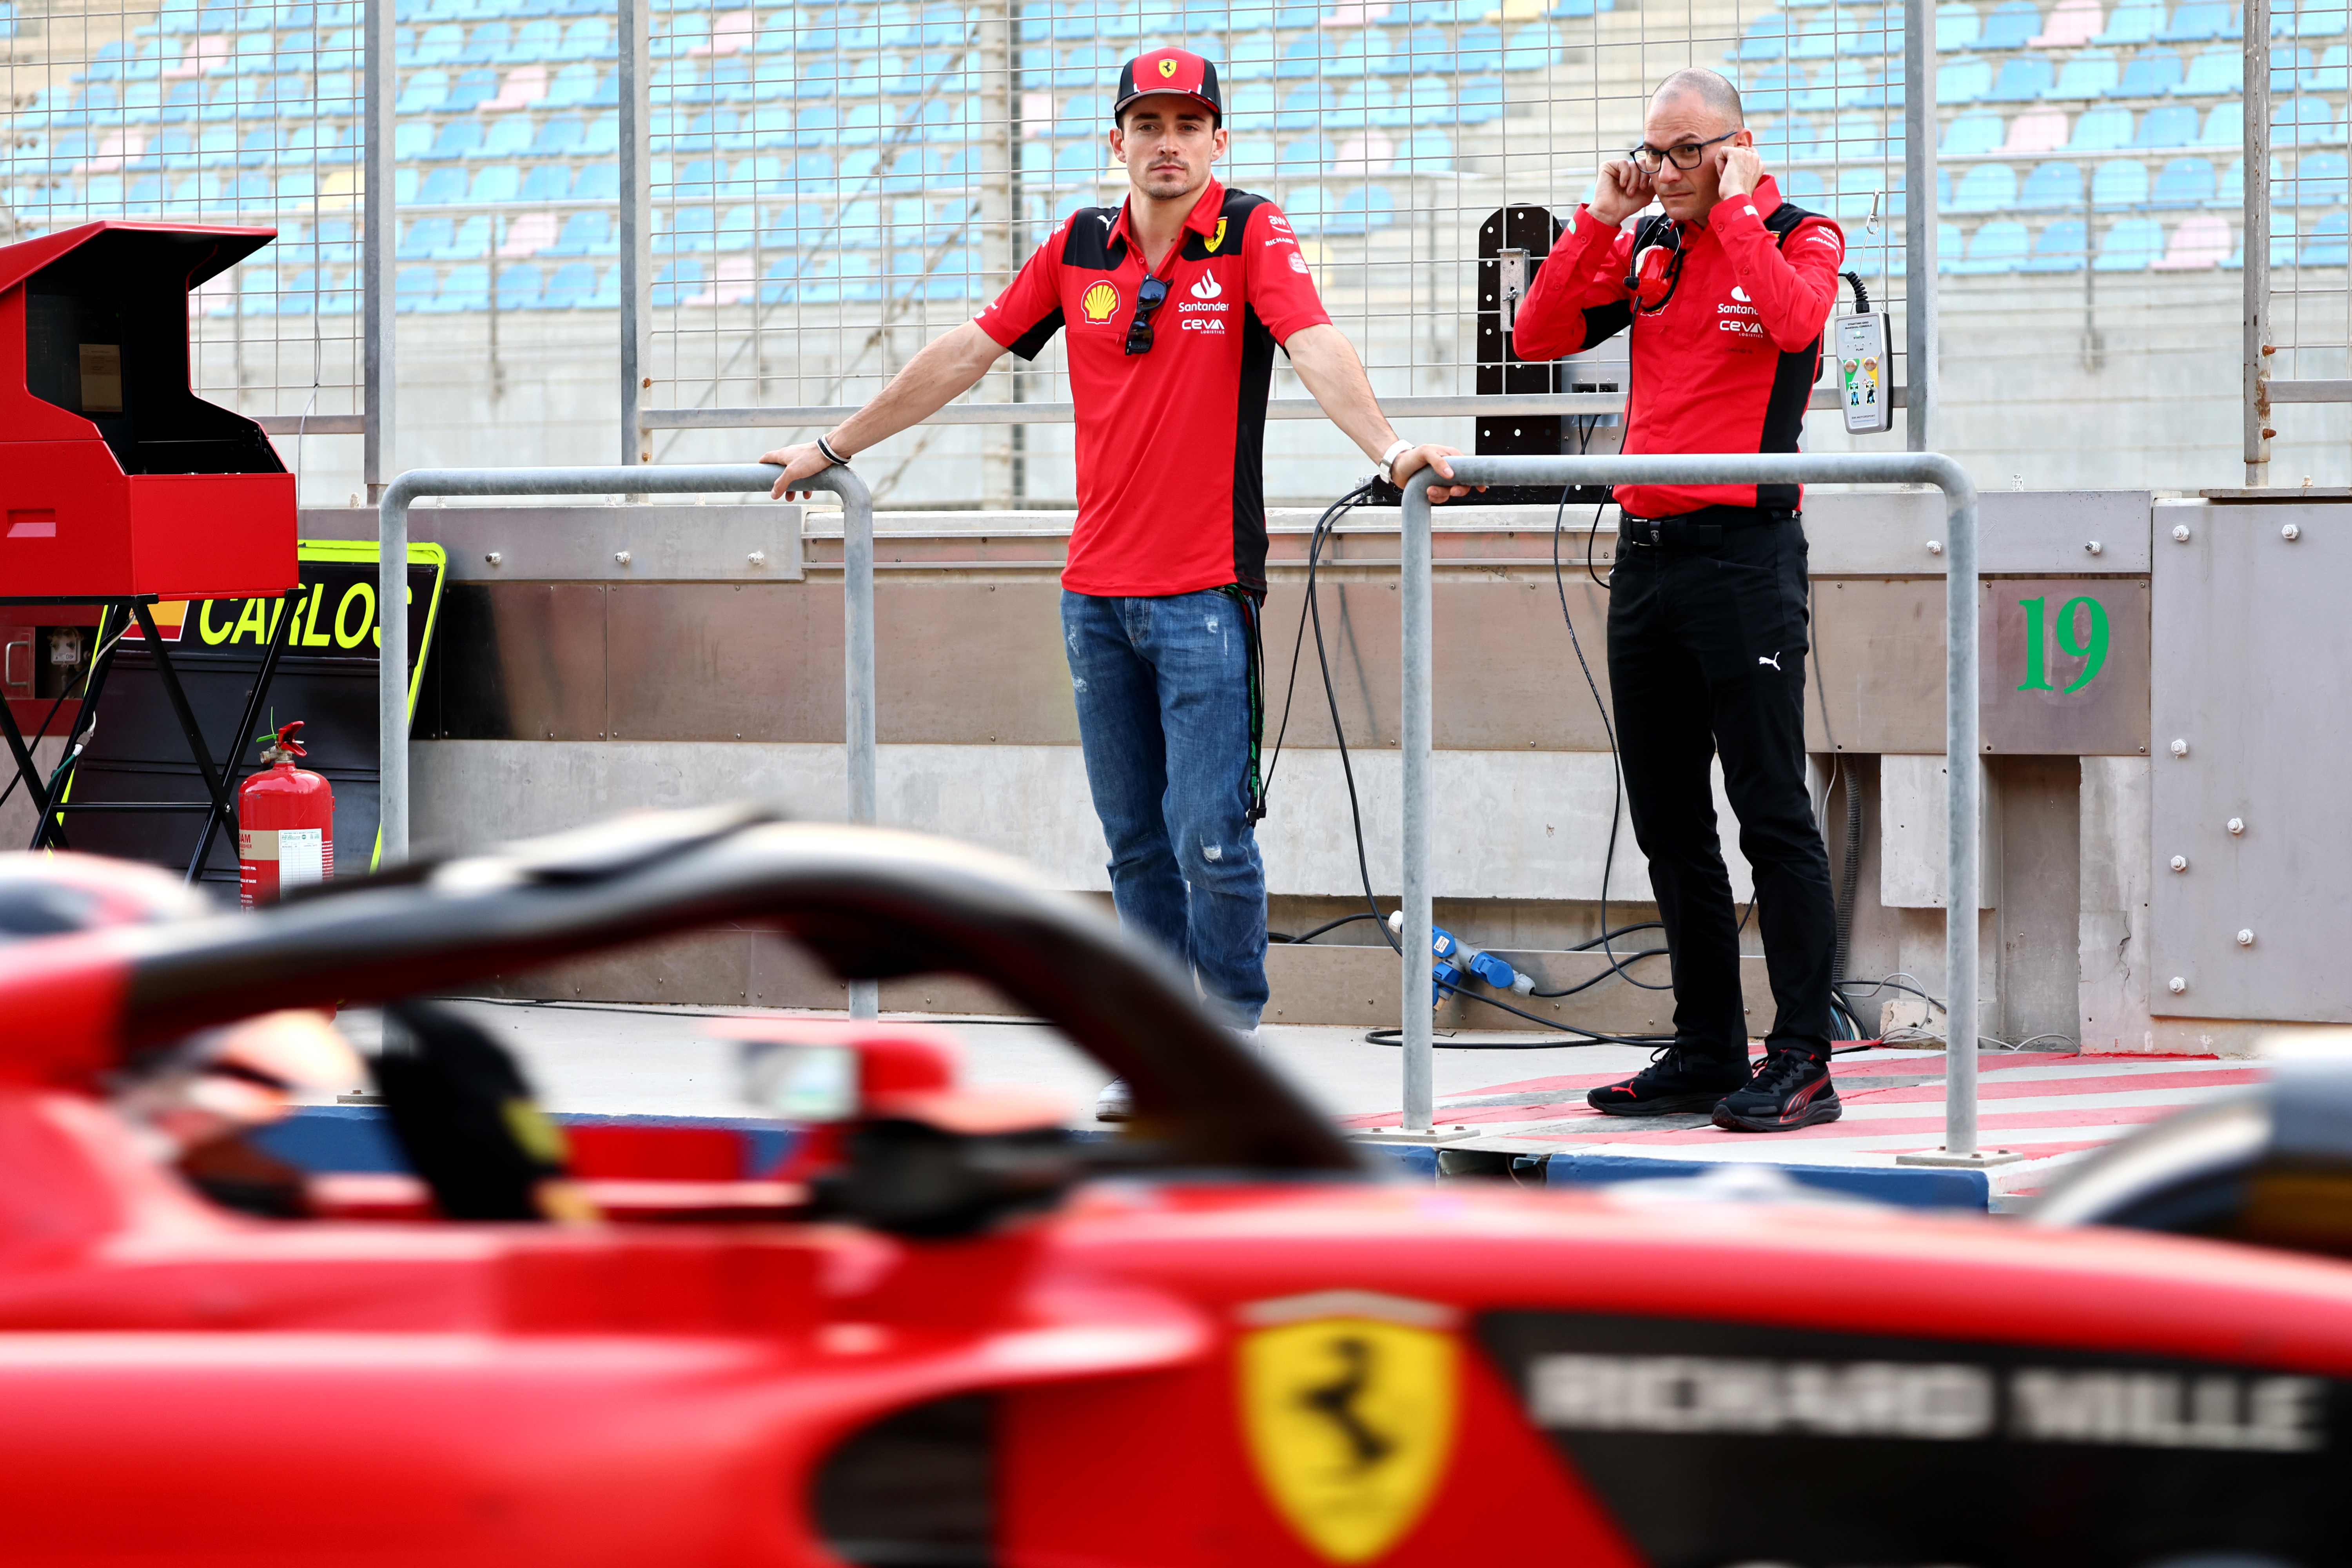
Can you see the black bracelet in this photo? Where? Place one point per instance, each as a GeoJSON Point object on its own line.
{"type": "Point", "coordinates": [835, 459]}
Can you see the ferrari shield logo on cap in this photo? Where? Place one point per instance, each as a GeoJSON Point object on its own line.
{"type": "Point", "coordinates": [1351, 1423]}
{"type": "Point", "coordinates": [1099, 302]}
{"type": "Point", "coordinates": [1167, 67]}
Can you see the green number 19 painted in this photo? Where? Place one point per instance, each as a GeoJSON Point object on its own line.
{"type": "Point", "coordinates": [2092, 650]}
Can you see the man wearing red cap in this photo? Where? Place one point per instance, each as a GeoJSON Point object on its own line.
{"type": "Point", "coordinates": [1174, 303]}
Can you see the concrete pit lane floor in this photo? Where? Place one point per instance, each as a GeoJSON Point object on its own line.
{"type": "Point", "coordinates": [2051, 1107]}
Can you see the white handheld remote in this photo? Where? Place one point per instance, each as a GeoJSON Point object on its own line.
{"type": "Point", "coordinates": [1864, 379]}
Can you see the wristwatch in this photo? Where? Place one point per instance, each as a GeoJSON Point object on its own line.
{"type": "Point", "coordinates": [1388, 458]}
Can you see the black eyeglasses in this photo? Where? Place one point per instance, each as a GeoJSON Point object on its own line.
{"type": "Point", "coordinates": [1148, 299]}
{"type": "Point", "coordinates": [1685, 154]}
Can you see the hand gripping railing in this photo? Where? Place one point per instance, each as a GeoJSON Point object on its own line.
{"type": "Point", "coordinates": [392, 588]}
{"type": "Point", "coordinates": [1960, 718]}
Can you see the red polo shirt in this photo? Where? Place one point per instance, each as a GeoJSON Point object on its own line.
{"type": "Point", "coordinates": [1172, 486]}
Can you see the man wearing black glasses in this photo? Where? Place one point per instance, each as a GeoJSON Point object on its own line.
{"type": "Point", "coordinates": [1726, 293]}
{"type": "Point", "coordinates": [1175, 302]}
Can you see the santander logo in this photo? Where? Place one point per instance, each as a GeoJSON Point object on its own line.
{"type": "Point", "coordinates": [1740, 294]}
{"type": "Point", "coordinates": [1206, 289]}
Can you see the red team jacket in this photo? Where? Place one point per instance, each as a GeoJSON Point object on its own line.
{"type": "Point", "coordinates": [1729, 362]}
{"type": "Point", "coordinates": [1171, 467]}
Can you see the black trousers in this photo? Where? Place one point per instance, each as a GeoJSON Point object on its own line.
{"type": "Point", "coordinates": [1707, 638]}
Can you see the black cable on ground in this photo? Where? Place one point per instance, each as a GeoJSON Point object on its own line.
{"type": "Point", "coordinates": [1319, 930]}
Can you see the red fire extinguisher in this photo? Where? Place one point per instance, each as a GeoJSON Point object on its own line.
{"type": "Point", "coordinates": [285, 823]}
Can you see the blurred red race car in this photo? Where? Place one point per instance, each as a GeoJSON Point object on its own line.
{"type": "Point", "coordinates": [947, 1333]}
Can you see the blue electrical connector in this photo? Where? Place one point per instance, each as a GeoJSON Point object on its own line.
{"type": "Point", "coordinates": [1450, 959]}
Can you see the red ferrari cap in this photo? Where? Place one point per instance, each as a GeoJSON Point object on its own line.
{"type": "Point", "coordinates": [1168, 70]}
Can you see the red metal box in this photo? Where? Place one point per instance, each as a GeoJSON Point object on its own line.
{"type": "Point", "coordinates": [115, 477]}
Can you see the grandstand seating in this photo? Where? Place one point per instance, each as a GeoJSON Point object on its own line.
{"type": "Point", "coordinates": [785, 136]}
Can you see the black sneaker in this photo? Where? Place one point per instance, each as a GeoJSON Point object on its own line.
{"type": "Point", "coordinates": [1791, 1089]}
{"type": "Point", "coordinates": [1679, 1079]}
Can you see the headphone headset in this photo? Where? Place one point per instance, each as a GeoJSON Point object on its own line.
{"type": "Point", "coordinates": [1654, 269]}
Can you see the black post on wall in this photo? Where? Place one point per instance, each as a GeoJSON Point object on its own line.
{"type": "Point", "coordinates": [1512, 245]}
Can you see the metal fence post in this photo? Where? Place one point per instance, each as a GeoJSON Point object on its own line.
{"type": "Point", "coordinates": [392, 542]}
{"type": "Point", "coordinates": [2255, 325]}
{"type": "Point", "coordinates": [636, 222]}
{"type": "Point", "coordinates": [1921, 388]}
{"type": "Point", "coordinates": [1960, 723]}
{"type": "Point", "coordinates": [1418, 739]}
{"type": "Point", "coordinates": [379, 242]}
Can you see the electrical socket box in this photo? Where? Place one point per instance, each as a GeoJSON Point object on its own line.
{"type": "Point", "coordinates": [1865, 378]}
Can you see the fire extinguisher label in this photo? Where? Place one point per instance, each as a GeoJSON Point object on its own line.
{"type": "Point", "coordinates": [301, 857]}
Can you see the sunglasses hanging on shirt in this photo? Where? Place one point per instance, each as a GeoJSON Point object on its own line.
{"type": "Point", "coordinates": [1148, 299]}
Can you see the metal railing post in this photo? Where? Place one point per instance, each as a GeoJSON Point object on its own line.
{"type": "Point", "coordinates": [1417, 739]}
{"type": "Point", "coordinates": [1960, 698]}
{"type": "Point", "coordinates": [392, 542]}
{"type": "Point", "coordinates": [636, 222]}
{"type": "Point", "coordinates": [379, 244]}
{"type": "Point", "coordinates": [2255, 326]}
{"type": "Point", "coordinates": [1920, 325]}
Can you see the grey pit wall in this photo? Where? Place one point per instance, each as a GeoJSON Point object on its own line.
{"type": "Point", "coordinates": [589, 688]}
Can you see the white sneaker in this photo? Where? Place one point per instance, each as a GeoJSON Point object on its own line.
{"type": "Point", "coordinates": [1115, 1103]}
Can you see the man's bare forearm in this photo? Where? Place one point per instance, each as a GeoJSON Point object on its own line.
{"type": "Point", "coordinates": [1326, 363]}
{"type": "Point", "coordinates": [947, 366]}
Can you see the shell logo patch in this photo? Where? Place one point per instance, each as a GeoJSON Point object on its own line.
{"type": "Point", "coordinates": [1351, 1422]}
{"type": "Point", "coordinates": [1099, 302]}
{"type": "Point", "coordinates": [1216, 239]}
{"type": "Point", "coordinates": [1167, 67]}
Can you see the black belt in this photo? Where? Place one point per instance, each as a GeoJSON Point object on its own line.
{"type": "Point", "coordinates": [1700, 530]}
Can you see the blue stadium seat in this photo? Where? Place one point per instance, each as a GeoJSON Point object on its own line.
{"type": "Point", "coordinates": [442, 186]}
{"type": "Point", "coordinates": [1986, 188]}
{"type": "Point", "coordinates": [589, 39]}
{"type": "Point", "coordinates": [1085, 114]}
{"type": "Point", "coordinates": [1963, 82]}
{"type": "Point", "coordinates": [2119, 183]}
{"type": "Point", "coordinates": [2011, 23]}
{"type": "Point", "coordinates": [1305, 159]}
{"type": "Point", "coordinates": [471, 241]}
{"type": "Point", "coordinates": [1478, 50]}
{"type": "Point", "coordinates": [1767, 39]}
{"type": "Point", "coordinates": [457, 138]}
{"type": "Point", "coordinates": [1251, 162]}
{"type": "Point", "coordinates": [547, 183]}
{"type": "Point", "coordinates": [1531, 48]}
{"type": "Point", "coordinates": [2023, 77]}
{"type": "Point", "coordinates": [2130, 245]}
{"type": "Point", "coordinates": [1972, 133]}
{"type": "Point", "coordinates": [519, 287]}
{"type": "Point", "coordinates": [2053, 185]}
{"type": "Point", "coordinates": [1427, 151]}
{"type": "Point", "coordinates": [495, 183]}
{"type": "Point", "coordinates": [584, 233]}
{"type": "Point", "coordinates": [2301, 120]}
{"type": "Point", "coordinates": [2225, 127]}
{"type": "Point", "coordinates": [1372, 101]}
{"type": "Point", "coordinates": [1871, 31]}
{"type": "Point", "coordinates": [2319, 179]}
{"type": "Point", "coordinates": [2326, 74]}
{"type": "Point", "coordinates": [1480, 102]}
{"type": "Point", "coordinates": [422, 91]}
{"type": "Point", "coordinates": [1957, 25]}
{"type": "Point", "coordinates": [424, 236]}
{"type": "Point", "coordinates": [739, 227]}
{"type": "Point", "coordinates": [1304, 106]}
{"type": "Point", "coordinates": [2197, 20]}
{"type": "Point", "coordinates": [412, 288]}
{"type": "Point", "coordinates": [2325, 247]}
{"type": "Point", "coordinates": [597, 183]}
{"type": "Point", "coordinates": [2167, 125]}
{"type": "Point", "coordinates": [690, 229]}
{"type": "Point", "coordinates": [541, 38]}
{"type": "Point", "coordinates": [572, 284]}
{"type": "Point", "coordinates": [2151, 73]}
{"type": "Point", "coordinates": [1997, 247]}
{"type": "Point", "coordinates": [2134, 22]}
{"type": "Point", "coordinates": [572, 87]}
{"type": "Point", "coordinates": [2183, 183]}
{"type": "Point", "coordinates": [508, 136]}
{"type": "Point", "coordinates": [298, 291]}
{"type": "Point", "coordinates": [699, 178]}
{"type": "Point", "coordinates": [2215, 73]}
{"type": "Point", "coordinates": [1307, 208]}
{"type": "Point", "coordinates": [463, 288]}
{"type": "Point", "coordinates": [1950, 246]}
{"type": "Point", "coordinates": [469, 91]}
{"type": "Point", "coordinates": [2283, 237]}
{"type": "Point", "coordinates": [557, 136]}
{"type": "Point", "coordinates": [2059, 248]}
{"type": "Point", "coordinates": [1859, 191]}
{"type": "Point", "coordinates": [1080, 164]}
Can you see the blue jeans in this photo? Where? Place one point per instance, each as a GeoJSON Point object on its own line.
{"type": "Point", "coordinates": [1162, 690]}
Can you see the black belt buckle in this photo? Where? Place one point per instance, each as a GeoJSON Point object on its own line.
{"type": "Point", "coordinates": [1673, 532]}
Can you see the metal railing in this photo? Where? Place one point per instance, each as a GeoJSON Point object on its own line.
{"type": "Point", "coordinates": [857, 609]}
{"type": "Point", "coordinates": [1960, 699]}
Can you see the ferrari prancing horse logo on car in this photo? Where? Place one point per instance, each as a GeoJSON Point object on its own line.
{"type": "Point", "coordinates": [1099, 302]}
{"type": "Point", "coordinates": [1350, 1421]}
